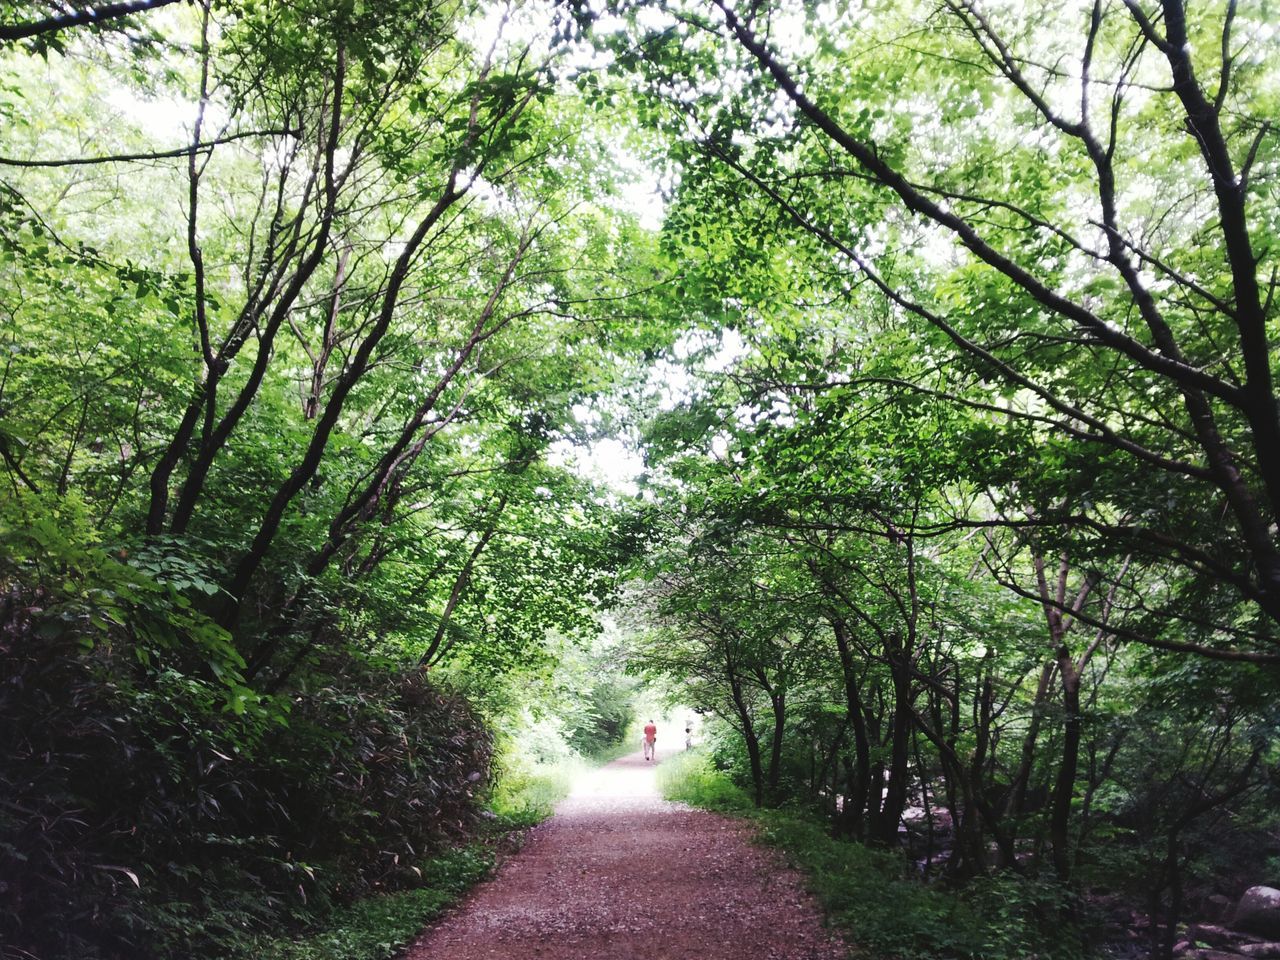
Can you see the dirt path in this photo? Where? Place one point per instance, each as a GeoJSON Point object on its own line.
{"type": "Point", "coordinates": [621, 874]}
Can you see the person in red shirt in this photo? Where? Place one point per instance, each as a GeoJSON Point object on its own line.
{"type": "Point", "coordinates": [650, 741]}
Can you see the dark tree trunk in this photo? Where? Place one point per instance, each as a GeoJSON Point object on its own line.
{"type": "Point", "coordinates": [895, 793]}
{"type": "Point", "coordinates": [748, 735]}
{"type": "Point", "coordinates": [778, 701]}
{"type": "Point", "coordinates": [860, 773]}
{"type": "Point", "coordinates": [1022, 778]}
{"type": "Point", "coordinates": [1064, 790]}
{"type": "Point", "coordinates": [925, 805]}
{"type": "Point", "coordinates": [825, 774]}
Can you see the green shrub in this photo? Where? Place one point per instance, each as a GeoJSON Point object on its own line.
{"type": "Point", "coordinates": [528, 794]}
{"type": "Point", "coordinates": [607, 715]}
{"type": "Point", "coordinates": [691, 778]}
{"type": "Point", "coordinates": [377, 927]}
{"type": "Point", "coordinates": [151, 809]}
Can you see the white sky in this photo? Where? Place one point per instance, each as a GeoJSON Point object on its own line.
{"type": "Point", "coordinates": [609, 462]}
{"type": "Point", "coordinates": [614, 462]}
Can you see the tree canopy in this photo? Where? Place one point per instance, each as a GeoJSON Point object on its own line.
{"type": "Point", "coordinates": [946, 333]}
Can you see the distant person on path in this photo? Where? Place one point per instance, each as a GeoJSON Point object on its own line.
{"type": "Point", "coordinates": [650, 740]}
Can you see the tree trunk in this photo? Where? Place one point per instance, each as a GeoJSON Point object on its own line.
{"type": "Point", "coordinates": [748, 735]}
{"type": "Point", "coordinates": [830, 760]}
{"type": "Point", "coordinates": [859, 781]}
{"type": "Point", "coordinates": [895, 795]}
{"type": "Point", "coordinates": [1060, 814]}
{"type": "Point", "coordinates": [778, 701]}
{"type": "Point", "coordinates": [925, 805]}
{"type": "Point", "coordinates": [1021, 779]}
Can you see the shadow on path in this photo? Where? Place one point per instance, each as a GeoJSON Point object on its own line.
{"type": "Point", "coordinates": [621, 874]}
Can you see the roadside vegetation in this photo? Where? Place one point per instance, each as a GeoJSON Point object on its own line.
{"type": "Point", "coordinates": [306, 313]}
{"type": "Point", "coordinates": [380, 925]}
{"type": "Point", "coordinates": [874, 898]}
{"type": "Point", "coordinates": [966, 528]}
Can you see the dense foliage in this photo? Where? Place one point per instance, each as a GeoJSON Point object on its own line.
{"type": "Point", "coordinates": [966, 523]}
{"type": "Point", "coordinates": [952, 358]}
{"type": "Point", "coordinates": [305, 308]}
{"type": "Point", "coordinates": [139, 816]}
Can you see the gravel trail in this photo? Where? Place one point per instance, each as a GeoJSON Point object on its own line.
{"type": "Point", "coordinates": [621, 874]}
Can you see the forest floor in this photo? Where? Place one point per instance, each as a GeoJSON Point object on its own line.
{"type": "Point", "coordinates": [621, 874]}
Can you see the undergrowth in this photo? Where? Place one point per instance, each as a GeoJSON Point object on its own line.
{"type": "Point", "coordinates": [871, 896]}
{"type": "Point", "coordinates": [377, 927]}
{"type": "Point", "coordinates": [527, 795]}
{"type": "Point", "coordinates": [528, 788]}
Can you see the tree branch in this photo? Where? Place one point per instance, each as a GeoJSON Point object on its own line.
{"type": "Point", "coordinates": [93, 15]}
{"type": "Point", "coordinates": [187, 151]}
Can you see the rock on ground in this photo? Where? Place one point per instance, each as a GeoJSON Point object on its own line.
{"type": "Point", "coordinates": [620, 874]}
{"type": "Point", "coordinates": [1259, 912]}
{"type": "Point", "coordinates": [1261, 951]}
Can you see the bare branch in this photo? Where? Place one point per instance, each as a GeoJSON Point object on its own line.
{"type": "Point", "coordinates": [205, 146]}
{"type": "Point", "coordinates": [91, 15]}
